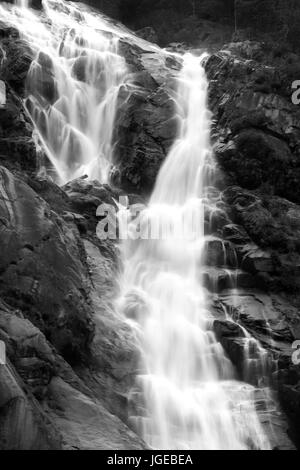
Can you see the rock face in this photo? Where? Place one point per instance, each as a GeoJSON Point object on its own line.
{"type": "Point", "coordinates": [53, 279]}
{"type": "Point", "coordinates": [256, 140]}
{"type": "Point", "coordinates": [43, 273]}
{"type": "Point", "coordinates": [258, 126]}
{"type": "Point", "coordinates": [16, 58]}
{"type": "Point", "coordinates": [145, 124]}
{"type": "Point", "coordinates": [51, 291]}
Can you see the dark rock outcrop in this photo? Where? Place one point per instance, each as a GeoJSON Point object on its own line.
{"type": "Point", "coordinates": [43, 403]}
{"type": "Point", "coordinates": [42, 270]}
{"type": "Point", "coordinates": [15, 58]}
{"type": "Point", "coordinates": [145, 124]}
{"type": "Point", "coordinates": [64, 285]}
{"type": "Point", "coordinates": [256, 136]}
{"type": "Point", "coordinates": [17, 148]}
{"type": "Point", "coordinates": [258, 126]}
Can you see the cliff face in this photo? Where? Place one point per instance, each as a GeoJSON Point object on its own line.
{"type": "Point", "coordinates": [256, 141]}
{"type": "Point", "coordinates": [71, 358]}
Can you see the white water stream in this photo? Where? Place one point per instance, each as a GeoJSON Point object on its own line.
{"type": "Point", "coordinates": [188, 396]}
{"type": "Point", "coordinates": [73, 85]}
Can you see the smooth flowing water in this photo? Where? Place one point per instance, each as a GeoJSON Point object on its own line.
{"type": "Point", "coordinates": [186, 395]}
{"type": "Point", "coordinates": [73, 85]}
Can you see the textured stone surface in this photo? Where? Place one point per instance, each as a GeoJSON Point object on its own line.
{"type": "Point", "coordinates": [42, 269]}
{"type": "Point", "coordinates": [145, 124]}
{"type": "Point", "coordinates": [257, 125]}
{"type": "Point", "coordinates": [23, 425]}
{"type": "Point", "coordinates": [43, 403]}
{"type": "Point", "coordinates": [256, 135]}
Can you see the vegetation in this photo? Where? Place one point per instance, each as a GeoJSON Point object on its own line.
{"type": "Point", "coordinates": [180, 19]}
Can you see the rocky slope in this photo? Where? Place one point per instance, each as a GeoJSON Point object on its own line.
{"type": "Point", "coordinates": [71, 357]}
{"type": "Point", "coordinates": [256, 141]}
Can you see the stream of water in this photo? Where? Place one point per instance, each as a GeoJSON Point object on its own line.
{"type": "Point", "coordinates": [187, 394]}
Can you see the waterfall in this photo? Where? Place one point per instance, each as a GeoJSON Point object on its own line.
{"type": "Point", "coordinates": [186, 395]}
{"type": "Point", "coordinates": [73, 85]}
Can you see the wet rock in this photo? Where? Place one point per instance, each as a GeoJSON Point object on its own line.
{"type": "Point", "coordinates": [85, 196]}
{"type": "Point", "coordinates": [54, 195]}
{"type": "Point", "coordinates": [36, 373]}
{"type": "Point", "coordinates": [219, 279]}
{"type": "Point", "coordinates": [145, 124]}
{"type": "Point", "coordinates": [249, 156]}
{"type": "Point", "coordinates": [41, 77]}
{"type": "Point", "coordinates": [274, 422]}
{"type": "Point", "coordinates": [290, 399]}
{"type": "Point", "coordinates": [53, 422]}
{"type": "Point", "coordinates": [219, 253]}
{"type": "Point", "coordinates": [114, 349]}
{"type": "Point", "coordinates": [256, 260]}
{"type": "Point", "coordinates": [23, 425]}
{"type": "Point", "coordinates": [261, 313]}
{"type": "Point", "coordinates": [86, 424]}
{"type": "Point", "coordinates": [229, 329]}
{"type": "Point", "coordinates": [17, 149]}
{"type": "Point", "coordinates": [236, 234]}
{"type": "Point", "coordinates": [234, 347]}
{"type": "Point", "coordinates": [263, 223]}
{"type": "Point", "coordinates": [42, 269]}
{"type": "Point", "coordinates": [145, 131]}
{"type": "Point", "coordinates": [30, 353]}
{"type": "Point", "coordinates": [17, 61]}
{"type": "Point", "coordinates": [258, 127]}
{"type": "Point", "coordinates": [271, 247]}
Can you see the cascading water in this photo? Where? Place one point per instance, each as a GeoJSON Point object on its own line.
{"type": "Point", "coordinates": [186, 394]}
{"type": "Point", "coordinates": [73, 85]}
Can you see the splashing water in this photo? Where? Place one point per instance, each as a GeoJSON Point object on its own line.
{"type": "Point", "coordinates": [73, 85]}
{"type": "Point", "coordinates": [186, 396]}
